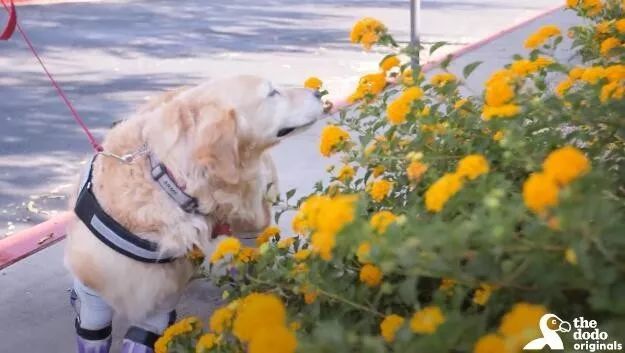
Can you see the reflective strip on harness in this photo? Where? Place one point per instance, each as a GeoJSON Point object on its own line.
{"type": "Point", "coordinates": [109, 231]}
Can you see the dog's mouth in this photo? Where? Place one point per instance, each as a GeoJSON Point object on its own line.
{"type": "Point", "coordinates": [288, 130]}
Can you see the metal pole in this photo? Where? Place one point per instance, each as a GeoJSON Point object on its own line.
{"type": "Point", "coordinates": [415, 40]}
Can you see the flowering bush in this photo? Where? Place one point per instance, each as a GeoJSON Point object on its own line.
{"type": "Point", "coordinates": [453, 222]}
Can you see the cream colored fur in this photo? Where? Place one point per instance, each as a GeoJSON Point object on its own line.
{"type": "Point", "coordinates": [213, 138]}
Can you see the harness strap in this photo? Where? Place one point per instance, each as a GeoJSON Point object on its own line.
{"type": "Point", "coordinates": [109, 231]}
{"type": "Point", "coordinates": [93, 335]}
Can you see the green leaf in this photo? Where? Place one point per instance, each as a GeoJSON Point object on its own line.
{"type": "Point", "coordinates": [290, 194]}
{"type": "Point", "coordinates": [436, 46]}
{"type": "Point", "coordinates": [445, 63]}
{"type": "Point", "coordinates": [408, 290]}
{"type": "Point", "coordinates": [468, 70]}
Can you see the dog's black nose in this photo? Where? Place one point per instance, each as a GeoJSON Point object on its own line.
{"type": "Point", "coordinates": [317, 94]}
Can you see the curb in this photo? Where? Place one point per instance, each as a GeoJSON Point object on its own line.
{"type": "Point", "coordinates": [32, 240]}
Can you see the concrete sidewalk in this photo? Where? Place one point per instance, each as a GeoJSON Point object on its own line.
{"type": "Point", "coordinates": [35, 316]}
{"type": "Point", "coordinates": [112, 55]}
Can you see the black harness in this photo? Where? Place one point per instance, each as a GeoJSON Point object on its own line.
{"type": "Point", "coordinates": [113, 234]}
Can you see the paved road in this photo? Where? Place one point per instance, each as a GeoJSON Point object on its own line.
{"type": "Point", "coordinates": [34, 315]}
{"type": "Point", "coordinates": [110, 56]}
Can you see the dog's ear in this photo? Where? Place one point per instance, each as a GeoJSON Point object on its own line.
{"type": "Point", "coordinates": [217, 146]}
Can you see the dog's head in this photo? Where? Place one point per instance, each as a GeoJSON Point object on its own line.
{"type": "Point", "coordinates": [224, 124]}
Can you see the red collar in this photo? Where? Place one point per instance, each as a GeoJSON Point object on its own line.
{"type": "Point", "coordinates": [221, 229]}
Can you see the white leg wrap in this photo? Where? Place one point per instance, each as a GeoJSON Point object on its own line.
{"type": "Point", "coordinates": [94, 313]}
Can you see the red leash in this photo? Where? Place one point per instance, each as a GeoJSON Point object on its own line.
{"type": "Point", "coordinates": [7, 33]}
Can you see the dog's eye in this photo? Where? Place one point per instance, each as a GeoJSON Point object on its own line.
{"type": "Point", "coordinates": [273, 92]}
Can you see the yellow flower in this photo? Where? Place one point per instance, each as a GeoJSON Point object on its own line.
{"type": "Point", "coordinates": [273, 340]}
{"type": "Point", "coordinates": [460, 103]}
{"type": "Point", "coordinates": [300, 268]}
{"type": "Point", "coordinates": [563, 87]}
{"type": "Point", "coordinates": [323, 243]}
{"type": "Point", "coordinates": [389, 326]}
{"type": "Point", "coordinates": [593, 74]}
{"type": "Point", "coordinates": [472, 166]}
{"type": "Point", "coordinates": [542, 62]}
{"type": "Point", "coordinates": [310, 295]}
{"type": "Point", "coordinates": [380, 189]}
{"type": "Point", "coordinates": [370, 148]}
{"type": "Point", "coordinates": [267, 234]}
{"type": "Point", "coordinates": [499, 135]}
{"type": "Point", "coordinates": [603, 27]}
{"type": "Point", "coordinates": [345, 173]}
{"type": "Point", "coordinates": [482, 294]}
{"type": "Point", "coordinates": [324, 213]}
{"type": "Point", "coordinates": [539, 37]}
{"type": "Point", "coordinates": [620, 25]}
{"type": "Point", "coordinates": [504, 111]}
{"type": "Point", "coordinates": [179, 328]}
{"type": "Point", "coordinates": [540, 192]}
{"type": "Point", "coordinates": [592, 7]}
{"type": "Point", "coordinates": [608, 44]}
{"type": "Point", "coordinates": [498, 92]}
{"type": "Point", "coordinates": [331, 137]}
{"type": "Point", "coordinates": [313, 83]}
{"type": "Point", "coordinates": [427, 320]}
{"type": "Point", "coordinates": [407, 78]}
{"type": "Point", "coordinates": [442, 79]}
{"type": "Point", "coordinates": [570, 256]}
{"type": "Point", "coordinates": [523, 67]}
{"type": "Point", "coordinates": [370, 275]}
{"type": "Point", "coordinates": [302, 255]}
{"type": "Point", "coordinates": [520, 324]}
{"type": "Point", "coordinates": [295, 325]}
{"type": "Point", "coordinates": [377, 171]}
{"type": "Point", "coordinates": [389, 62]}
{"type": "Point", "coordinates": [398, 109]}
{"type": "Point", "coordinates": [554, 223]}
{"type": "Point", "coordinates": [221, 319]}
{"type": "Point", "coordinates": [367, 31]}
{"type": "Point", "coordinates": [206, 342]}
{"type": "Point", "coordinates": [370, 84]}
{"type": "Point", "coordinates": [381, 220]}
{"type": "Point", "coordinates": [415, 170]}
{"type": "Point", "coordinates": [441, 191]}
{"type": "Point", "coordinates": [566, 164]}
{"type": "Point", "coordinates": [228, 246]}
{"type": "Point", "coordinates": [286, 243]}
{"type": "Point", "coordinates": [490, 343]}
{"type": "Point", "coordinates": [363, 251]}
{"type": "Point", "coordinates": [576, 73]}
{"type": "Point", "coordinates": [571, 3]}
{"type": "Point", "coordinates": [247, 254]}
{"type": "Point", "coordinates": [447, 284]}
{"type": "Point", "coordinates": [257, 311]}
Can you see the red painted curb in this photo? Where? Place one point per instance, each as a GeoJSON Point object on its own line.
{"type": "Point", "coordinates": [480, 43]}
{"type": "Point", "coordinates": [27, 242]}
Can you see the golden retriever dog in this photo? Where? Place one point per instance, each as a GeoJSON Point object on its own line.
{"type": "Point", "coordinates": [214, 140]}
